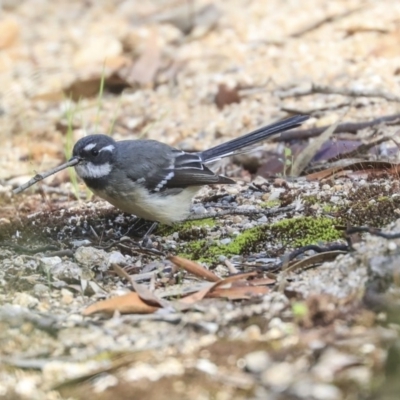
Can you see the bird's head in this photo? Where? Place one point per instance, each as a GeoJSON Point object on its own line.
{"type": "Point", "coordinates": [94, 155]}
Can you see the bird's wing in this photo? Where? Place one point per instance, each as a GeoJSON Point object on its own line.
{"type": "Point", "coordinates": [187, 169]}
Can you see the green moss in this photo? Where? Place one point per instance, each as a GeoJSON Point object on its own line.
{"type": "Point", "coordinates": [209, 251]}
{"type": "Point", "coordinates": [186, 226]}
{"type": "Point", "coordinates": [311, 199]}
{"type": "Point", "coordinates": [270, 204]}
{"type": "Point", "coordinates": [199, 222]}
{"type": "Point", "coordinates": [372, 205]}
{"type": "Point", "coordinates": [328, 208]}
{"type": "Point", "coordinates": [299, 309]}
{"type": "Point", "coordinates": [293, 232]}
{"type": "Point", "coordinates": [383, 198]}
{"type": "Point", "coordinates": [297, 232]}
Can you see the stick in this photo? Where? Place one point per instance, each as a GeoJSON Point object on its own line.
{"type": "Point", "coordinates": [350, 92]}
{"type": "Point", "coordinates": [39, 177]}
{"type": "Point", "coordinates": [347, 127]}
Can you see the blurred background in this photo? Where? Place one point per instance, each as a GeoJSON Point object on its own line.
{"type": "Point", "coordinates": [189, 73]}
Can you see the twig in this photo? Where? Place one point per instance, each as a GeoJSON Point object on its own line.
{"type": "Point", "coordinates": [39, 177]}
{"type": "Point", "coordinates": [315, 25]}
{"type": "Point", "coordinates": [26, 250]}
{"type": "Point", "coordinates": [314, 88]}
{"type": "Point", "coordinates": [372, 231]}
{"type": "Point", "coordinates": [318, 249]}
{"type": "Point", "coordinates": [315, 111]}
{"type": "Point", "coordinates": [347, 127]}
{"type": "Point", "coordinates": [234, 211]}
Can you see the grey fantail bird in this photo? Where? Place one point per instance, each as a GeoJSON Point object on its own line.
{"type": "Point", "coordinates": [153, 180]}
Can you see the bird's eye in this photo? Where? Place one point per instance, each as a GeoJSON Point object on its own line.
{"type": "Point", "coordinates": [95, 152]}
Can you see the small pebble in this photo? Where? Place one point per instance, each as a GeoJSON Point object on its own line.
{"type": "Point", "coordinates": [49, 262]}
{"type": "Point", "coordinates": [323, 391]}
{"type": "Point", "coordinates": [91, 257]}
{"type": "Point", "coordinates": [206, 366]}
{"type": "Point", "coordinates": [25, 300]}
{"type": "Point", "coordinates": [116, 258]}
{"type": "Point", "coordinates": [279, 376]}
{"type": "Point", "coordinates": [237, 219]}
{"type": "Point", "coordinates": [257, 361]}
{"type": "Point", "coordinates": [199, 209]}
{"type": "Point", "coordinates": [227, 199]}
{"type": "Point", "coordinates": [275, 194]}
{"type": "Point", "coordinates": [66, 296]}
{"type": "Point", "coordinates": [39, 289]}
{"type": "Point", "coordinates": [252, 332]}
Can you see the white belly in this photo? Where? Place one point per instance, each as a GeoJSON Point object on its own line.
{"type": "Point", "coordinates": [153, 206]}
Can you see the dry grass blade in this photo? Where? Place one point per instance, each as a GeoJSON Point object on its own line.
{"type": "Point", "coordinates": [315, 259]}
{"type": "Point", "coordinates": [130, 303]}
{"type": "Point", "coordinates": [263, 281]}
{"type": "Point", "coordinates": [351, 166]}
{"type": "Point", "coordinates": [196, 297]}
{"type": "Point", "coordinates": [194, 268]}
{"type": "Point", "coordinates": [239, 292]}
{"type": "Point", "coordinates": [122, 273]}
{"type": "Point", "coordinates": [144, 293]}
{"type": "Point", "coordinates": [304, 158]}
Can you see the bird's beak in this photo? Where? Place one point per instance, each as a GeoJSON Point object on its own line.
{"type": "Point", "coordinates": [72, 161]}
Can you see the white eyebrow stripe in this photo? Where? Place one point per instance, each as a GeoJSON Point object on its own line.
{"type": "Point", "coordinates": [89, 146]}
{"type": "Point", "coordinates": [110, 148]}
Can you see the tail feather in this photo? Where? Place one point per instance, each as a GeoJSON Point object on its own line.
{"type": "Point", "coordinates": [235, 145]}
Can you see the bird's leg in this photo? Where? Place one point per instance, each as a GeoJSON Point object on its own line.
{"type": "Point", "coordinates": [137, 224]}
{"type": "Point", "coordinates": [146, 241]}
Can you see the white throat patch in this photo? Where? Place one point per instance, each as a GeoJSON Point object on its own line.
{"type": "Point", "coordinates": [90, 170]}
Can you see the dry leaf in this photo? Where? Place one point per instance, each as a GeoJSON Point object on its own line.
{"type": "Point", "coordinates": [226, 95]}
{"type": "Point", "coordinates": [196, 297]}
{"type": "Point", "coordinates": [194, 268]}
{"type": "Point", "coordinates": [129, 303]}
{"type": "Point", "coordinates": [83, 88]}
{"type": "Point", "coordinates": [144, 70]}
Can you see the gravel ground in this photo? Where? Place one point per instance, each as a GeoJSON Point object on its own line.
{"type": "Point", "coordinates": [193, 74]}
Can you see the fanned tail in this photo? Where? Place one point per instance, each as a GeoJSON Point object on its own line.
{"type": "Point", "coordinates": [233, 146]}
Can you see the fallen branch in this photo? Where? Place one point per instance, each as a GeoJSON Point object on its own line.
{"type": "Point", "coordinates": [314, 89]}
{"type": "Point", "coordinates": [347, 127]}
{"type": "Point", "coordinates": [235, 211]}
{"type": "Point", "coordinates": [330, 18]}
